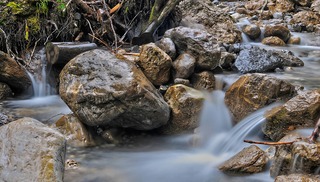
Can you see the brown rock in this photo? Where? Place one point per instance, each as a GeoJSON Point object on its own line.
{"type": "Point", "coordinates": [203, 81]}
{"type": "Point", "coordinates": [155, 64]}
{"type": "Point", "coordinates": [299, 112]}
{"type": "Point", "coordinates": [227, 60]}
{"type": "Point", "coordinates": [300, 157]}
{"type": "Point", "coordinates": [253, 31]}
{"type": "Point", "coordinates": [305, 18]}
{"type": "Point", "coordinates": [294, 40]}
{"type": "Point", "coordinates": [279, 31]}
{"type": "Point", "coordinates": [5, 91]}
{"type": "Point", "coordinates": [75, 132]}
{"type": "Point", "coordinates": [103, 90]}
{"type": "Point", "coordinates": [254, 4]}
{"type": "Point", "coordinates": [284, 5]}
{"type": "Point", "coordinates": [184, 65]}
{"type": "Point", "coordinates": [298, 177]}
{"type": "Point", "coordinates": [254, 91]}
{"type": "Point", "coordinates": [250, 160]}
{"type": "Point", "coordinates": [13, 74]}
{"type": "Point", "coordinates": [185, 104]}
{"type": "Point", "coordinates": [273, 41]}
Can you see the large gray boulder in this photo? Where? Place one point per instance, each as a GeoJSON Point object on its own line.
{"type": "Point", "coordinates": [103, 90]}
{"type": "Point", "coordinates": [198, 43]}
{"type": "Point", "coordinates": [255, 59]}
{"type": "Point", "coordinates": [31, 151]}
{"type": "Point", "coordinates": [13, 74]}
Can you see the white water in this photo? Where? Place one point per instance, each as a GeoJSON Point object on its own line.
{"type": "Point", "coordinates": [176, 160]}
{"type": "Point", "coordinates": [43, 105]}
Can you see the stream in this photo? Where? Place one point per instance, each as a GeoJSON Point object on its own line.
{"type": "Point", "coordinates": [174, 158]}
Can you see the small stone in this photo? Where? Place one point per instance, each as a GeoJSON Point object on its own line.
{"type": "Point", "coordinates": [279, 31]}
{"type": "Point", "coordinates": [273, 41]}
{"type": "Point", "coordinates": [294, 40]}
{"type": "Point", "coordinates": [203, 81]}
{"type": "Point", "coordinates": [253, 31]}
{"type": "Point", "coordinates": [184, 65]}
{"type": "Point", "coordinates": [250, 160]}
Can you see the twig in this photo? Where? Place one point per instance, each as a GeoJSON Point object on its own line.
{"type": "Point", "coordinates": [270, 143]}
{"type": "Point", "coordinates": [90, 27]}
{"type": "Point", "coordinates": [6, 40]}
{"type": "Point", "coordinates": [315, 133]}
{"type": "Point", "coordinates": [114, 32]}
{"type": "Point", "coordinates": [130, 26]}
{"type": "Point", "coordinates": [101, 41]}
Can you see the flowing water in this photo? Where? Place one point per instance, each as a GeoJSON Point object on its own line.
{"type": "Point", "coordinates": [183, 158]}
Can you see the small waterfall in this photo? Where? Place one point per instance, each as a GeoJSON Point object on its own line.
{"type": "Point", "coordinates": [40, 86]}
{"type": "Point", "coordinates": [216, 132]}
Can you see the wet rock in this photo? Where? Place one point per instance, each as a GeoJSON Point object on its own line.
{"type": "Point", "coordinates": [13, 74]}
{"type": "Point", "coordinates": [74, 131]}
{"type": "Point", "coordinates": [256, 59]}
{"type": "Point", "coordinates": [299, 112]}
{"type": "Point", "coordinates": [103, 90]}
{"type": "Point", "coordinates": [31, 151]}
{"type": "Point", "coordinates": [254, 4]}
{"type": "Point", "coordinates": [294, 40]}
{"type": "Point", "coordinates": [300, 157]}
{"type": "Point", "coordinates": [207, 16]}
{"type": "Point", "coordinates": [182, 81]}
{"type": "Point", "coordinates": [184, 65]}
{"type": "Point", "coordinates": [273, 41]}
{"type": "Point", "coordinates": [203, 81]}
{"type": "Point", "coordinates": [284, 6]}
{"type": "Point", "coordinates": [279, 31]}
{"type": "Point", "coordinates": [252, 31]}
{"type": "Point", "coordinates": [185, 104]}
{"type": "Point", "coordinates": [298, 177]}
{"type": "Point", "coordinates": [254, 91]}
{"type": "Point", "coordinates": [227, 60]}
{"type": "Point", "coordinates": [315, 6]}
{"type": "Point", "coordinates": [198, 43]}
{"type": "Point", "coordinates": [5, 91]}
{"type": "Point", "coordinates": [155, 64]}
{"type": "Point", "coordinates": [250, 160]}
{"type": "Point", "coordinates": [3, 119]}
{"type": "Point", "coordinates": [167, 45]}
{"type": "Point", "coordinates": [303, 2]}
{"type": "Point", "coordinates": [266, 15]}
{"type": "Point", "coordinates": [305, 18]}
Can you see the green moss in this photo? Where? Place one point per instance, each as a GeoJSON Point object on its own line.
{"type": "Point", "coordinates": [33, 24]}
{"type": "Point", "coordinates": [17, 8]}
{"type": "Point", "coordinates": [151, 14]}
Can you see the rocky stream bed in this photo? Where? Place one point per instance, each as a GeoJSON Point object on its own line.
{"type": "Point", "coordinates": [176, 109]}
